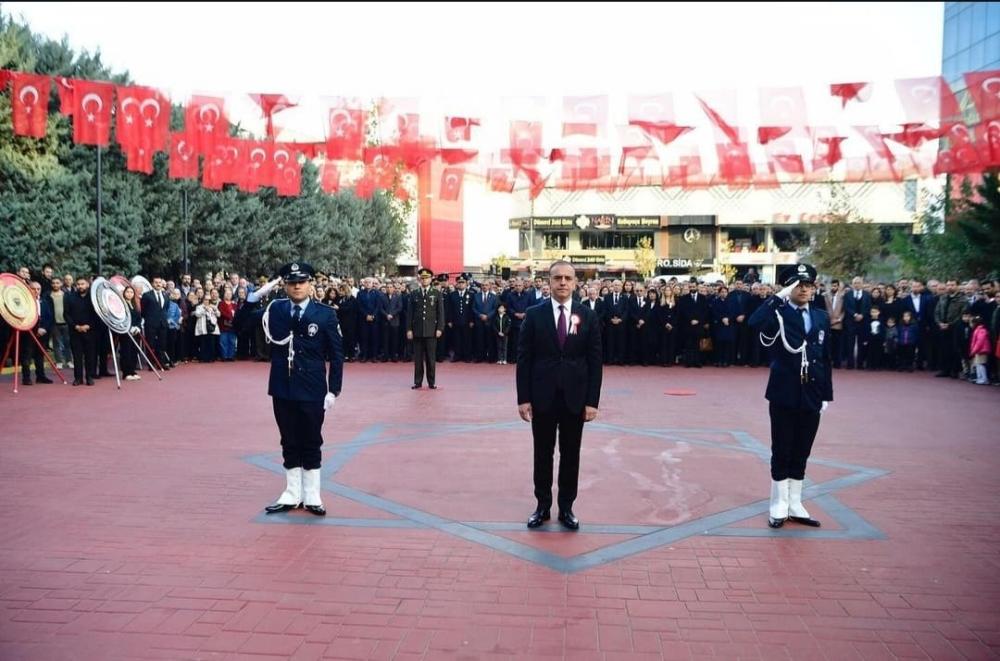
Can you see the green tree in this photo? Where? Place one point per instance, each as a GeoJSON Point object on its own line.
{"type": "Point", "coordinates": [846, 244]}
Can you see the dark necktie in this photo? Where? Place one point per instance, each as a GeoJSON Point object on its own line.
{"type": "Point", "coordinates": [296, 314]}
{"type": "Point", "coordinates": [561, 328]}
{"type": "Point", "coordinates": [805, 318]}
{"type": "Point", "coordinates": [159, 299]}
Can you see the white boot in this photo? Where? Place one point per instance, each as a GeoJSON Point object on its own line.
{"type": "Point", "coordinates": [291, 497]}
{"type": "Point", "coordinates": [796, 511]}
{"type": "Point", "coordinates": [778, 510]}
{"type": "Point", "coordinates": [311, 497]}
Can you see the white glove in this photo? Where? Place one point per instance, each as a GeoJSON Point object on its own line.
{"type": "Point", "coordinates": [824, 407]}
{"type": "Point", "coordinates": [135, 330]}
{"type": "Point", "coordinates": [328, 401]}
{"type": "Point", "coordinates": [785, 293]}
{"type": "Point", "coordinates": [257, 294]}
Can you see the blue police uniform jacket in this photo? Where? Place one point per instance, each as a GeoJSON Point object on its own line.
{"type": "Point", "coordinates": [317, 341]}
{"type": "Point", "coordinates": [785, 386]}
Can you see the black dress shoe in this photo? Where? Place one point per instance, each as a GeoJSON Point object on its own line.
{"type": "Point", "coordinates": [775, 523]}
{"type": "Point", "coordinates": [805, 520]}
{"type": "Point", "coordinates": [25, 382]}
{"type": "Point", "coordinates": [280, 507]}
{"type": "Point", "coordinates": [433, 387]}
{"type": "Point", "coordinates": [316, 509]}
{"type": "Point", "coordinates": [90, 382]}
{"type": "Point", "coordinates": [415, 386]}
{"type": "Point", "coordinates": [538, 517]}
{"type": "Point", "coordinates": [77, 382]}
{"type": "Point", "coordinates": [569, 520]}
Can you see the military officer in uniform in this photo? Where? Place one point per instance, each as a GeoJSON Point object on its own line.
{"type": "Point", "coordinates": [424, 325]}
{"type": "Point", "coordinates": [306, 336]}
{"type": "Point", "coordinates": [800, 386]}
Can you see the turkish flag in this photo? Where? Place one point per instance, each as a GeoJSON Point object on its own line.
{"type": "Point", "coordinates": [786, 162]}
{"type": "Point", "coordinates": [205, 120]}
{"type": "Point", "coordinates": [766, 134]}
{"type": "Point", "coordinates": [826, 150]}
{"type": "Point", "coordinates": [584, 115]}
{"type": "Point", "coordinates": [451, 184]}
{"type": "Point", "coordinates": [734, 162]}
{"type": "Point", "coordinates": [183, 158]}
{"type": "Point", "coordinates": [687, 172]}
{"type": "Point", "coordinates": [731, 133]}
{"type": "Point", "coordinates": [67, 97]}
{"type": "Point", "coordinates": [782, 106]}
{"type": "Point", "coordinates": [29, 100]}
{"type": "Point", "coordinates": [859, 92]}
{"type": "Point", "coordinates": [525, 143]}
{"type": "Point", "coordinates": [501, 180]}
{"type": "Point", "coordinates": [345, 133]}
{"type": "Point", "coordinates": [927, 100]}
{"type": "Point", "coordinates": [139, 158]}
{"type": "Point", "coordinates": [287, 177]}
{"type": "Point", "coordinates": [270, 104]}
{"type": "Point", "coordinates": [380, 165]}
{"type": "Point", "coordinates": [984, 88]}
{"type": "Point", "coordinates": [877, 140]}
{"type": "Point", "coordinates": [329, 179]}
{"type": "Point", "coordinates": [458, 130]}
{"type": "Point", "coordinates": [143, 118]}
{"type": "Point", "coordinates": [258, 168]}
{"type": "Point", "coordinates": [581, 167]}
{"type": "Point", "coordinates": [92, 112]}
{"type": "Point", "coordinates": [914, 134]}
{"type": "Point", "coordinates": [988, 140]}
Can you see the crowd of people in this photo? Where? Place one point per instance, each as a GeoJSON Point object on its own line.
{"type": "Point", "coordinates": [948, 327]}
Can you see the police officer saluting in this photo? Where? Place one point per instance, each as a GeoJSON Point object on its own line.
{"type": "Point", "coordinates": [306, 336]}
{"type": "Point", "coordinates": [425, 324]}
{"type": "Point", "coordinates": [799, 388]}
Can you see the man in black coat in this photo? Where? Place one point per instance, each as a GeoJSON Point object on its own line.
{"type": "Point", "coordinates": [694, 315]}
{"type": "Point", "coordinates": [857, 316]}
{"type": "Point", "coordinates": [154, 320]}
{"type": "Point", "coordinates": [84, 324]}
{"type": "Point", "coordinates": [799, 388]}
{"type": "Point", "coordinates": [559, 371]}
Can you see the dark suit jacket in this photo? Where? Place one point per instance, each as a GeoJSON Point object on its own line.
{"type": "Point", "coordinates": [852, 307]}
{"type": "Point", "coordinates": [154, 315]}
{"type": "Point", "coordinates": [620, 310]}
{"type": "Point", "coordinates": [925, 317]}
{"type": "Point", "coordinates": [489, 308]}
{"type": "Point", "coordinates": [317, 342]}
{"type": "Point", "coordinates": [689, 309]}
{"type": "Point", "coordinates": [785, 387]}
{"type": "Point", "coordinates": [425, 316]}
{"type": "Point", "coordinates": [393, 306]}
{"type": "Point", "coordinates": [600, 308]}
{"type": "Point", "coordinates": [545, 371]}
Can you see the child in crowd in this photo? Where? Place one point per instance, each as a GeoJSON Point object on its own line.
{"type": "Point", "coordinates": [979, 350]}
{"type": "Point", "coordinates": [963, 335]}
{"type": "Point", "coordinates": [501, 328]}
{"type": "Point", "coordinates": [876, 340]}
{"type": "Point", "coordinates": [891, 343]}
{"type": "Point", "coordinates": [909, 338]}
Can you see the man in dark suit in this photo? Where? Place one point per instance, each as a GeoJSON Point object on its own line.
{"type": "Point", "coordinates": [425, 324]}
{"type": "Point", "coordinates": [857, 317]}
{"type": "Point", "coordinates": [31, 352]}
{"type": "Point", "coordinates": [305, 336]}
{"type": "Point", "coordinates": [616, 319]}
{"type": "Point", "coordinates": [799, 388]}
{"type": "Point", "coordinates": [391, 316]}
{"type": "Point", "coordinates": [460, 320]}
{"type": "Point", "coordinates": [559, 375]}
{"type": "Point", "coordinates": [154, 320]}
{"type": "Point", "coordinates": [484, 307]}
{"type": "Point", "coordinates": [371, 307]}
{"type": "Point", "coordinates": [920, 304]}
{"type": "Point", "coordinates": [694, 315]}
{"type": "Point", "coordinates": [83, 325]}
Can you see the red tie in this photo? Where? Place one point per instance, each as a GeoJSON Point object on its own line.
{"type": "Point", "coordinates": [561, 328]}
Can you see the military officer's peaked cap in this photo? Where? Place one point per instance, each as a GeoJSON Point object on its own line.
{"type": "Point", "coordinates": [425, 272]}
{"type": "Point", "coordinates": [296, 272]}
{"type": "Point", "coordinates": [799, 272]}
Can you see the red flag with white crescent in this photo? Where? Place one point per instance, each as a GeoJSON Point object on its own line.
{"type": "Point", "coordinates": [183, 158]}
{"type": "Point", "coordinates": [29, 101]}
{"type": "Point", "coordinates": [143, 118]}
{"type": "Point", "coordinates": [92, 112]}
{"type": "Point", "coordinates": [205, 120]}
{"type": "Point", "coordinates": [984, 88]}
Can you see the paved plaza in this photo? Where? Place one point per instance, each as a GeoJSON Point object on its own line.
{"type": "Point", "coordinates": [133, 524]}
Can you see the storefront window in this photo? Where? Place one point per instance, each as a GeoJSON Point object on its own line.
{"type": "Point", "coordinates": [790, 240]}
{"type": "Point", "coordinates": [746, 239]}
{"type": "Point", "coordinates": [613, 240]}
{"type": "Point", "coordinates": [556, 240]}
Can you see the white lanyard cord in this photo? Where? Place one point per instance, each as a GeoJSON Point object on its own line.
{"type": "Point", "coordinates": [290, 340]}
{"type": "Point", "coordinates": [768, 341]}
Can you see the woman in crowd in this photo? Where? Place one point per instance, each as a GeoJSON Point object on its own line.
{"type": "Point", "coordinates": [348, 317]}
{"type": "Point", "coordinates": [892, 307]}
{"type": "Point", "coordinates": [174, 318]}
{"type": "Point", "coordinates": [206, 329]}
{"type": "Point", "coordinates": [665, 322]}
{"type": "Point", "coordinates": [227, 335]}
{"type": "Point", "coordinates": [190, 349]}
{"type": "Point", "coordinates": [650, 332]}
{"type": "Point", "coordinates": [129, 354]}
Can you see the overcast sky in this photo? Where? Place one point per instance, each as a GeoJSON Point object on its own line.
{"type": "Point", "coordinates": [488, 51]}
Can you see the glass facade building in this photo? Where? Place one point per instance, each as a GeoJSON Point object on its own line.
{"type": "Point", "coordinates": [971, 40]}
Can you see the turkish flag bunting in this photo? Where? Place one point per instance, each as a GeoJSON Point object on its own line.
{"type": "Point", "coordinates": [258, 168]}
{"type": "Point", "coordinates": [927, 100]}
{"type": "Point", "coordinates": [826, 151]}
{"type": "Point", "coordinates": [329, 179]}
{"type": "Point", "coordinates": [458, 130]}
{"type": "Point", "coordinates": [766, 134]}
{"type": "Point", "coordinates": [988, 140]}
{"type": "Point", "coordinates": [785, 162]}
{"type": "Point", "coordinates": [183, 159]}
{"type": "Point", "coordinates": [655, 115]}
{"type": "Point", "coordinates": [877, 140]}
{"type": "Point", "coordinates": [525, 143]}
{"type": "Point", "coordinates": [67, 98]}
{"type": "Point", "coordinates": [580, 167]}
{"type": "Point", "coordinates": [688, 170]}
{"type": "Point", "coordinates": [846, 92]}
{"type": "Point", "coordinates": [29, 101]}
{"type": "Point", "coordinates": [458, 156]}
{"type": "Point", "coordinates": [782, 106]}
{"type": "Point", "coordinates": [345, 133]}
{"type": "Point", "coordinates": [205, 120]}
{"type": "Point", "coordinates": [584, 115]}
{"type": "Point", "coordinates": [984, 88]}
{"type": "Point", "coordinates": [92, 112]}
{"type": "Point", "coordinates": [451, 184]}
{"type": "Point", "coordinates": [287, 174]}
{"type": "Point", "coordinates": [501, 180]}
{"type": "Point", "coordinates": [380, 165]}
{"type": "Point", "coordinates": [143, 118]}
{"type": "Point", "coordinates": [914, 134]}
{"type": "Point", "coordinates": [139, 158]}
{"type": "Point", "coordinates": [270, 104]}
{"type": "Point", "coordinates": [734, 162]}
{"type": "Point", "coordinates": [731, 133]}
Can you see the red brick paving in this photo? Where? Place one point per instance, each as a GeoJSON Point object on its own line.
{"type": "Point", "coordinates": [128, 527]}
